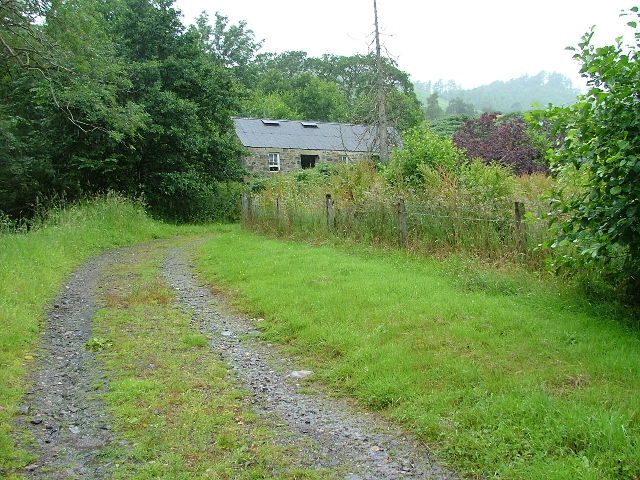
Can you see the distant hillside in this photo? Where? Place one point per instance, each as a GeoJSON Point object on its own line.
{"type": "Point", "coordinates": [514, 95]}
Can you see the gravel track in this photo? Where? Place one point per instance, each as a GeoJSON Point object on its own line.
{"type": "Point", "coordinates": [329, 432]}
{"type": "Point", "coordinates": [65, 413]}
{"type": "Point", "coordinates": [63, 409]}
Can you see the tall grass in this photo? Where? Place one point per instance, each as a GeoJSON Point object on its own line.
{"type": "Point", "coordinates": [472, 213]}
{"type": "Point", "coordinates": [33, 267]}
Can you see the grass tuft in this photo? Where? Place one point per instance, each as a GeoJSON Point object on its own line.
{"type": "Point", "coordinates": [195, 340]}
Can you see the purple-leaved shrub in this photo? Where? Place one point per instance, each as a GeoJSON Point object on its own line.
{"type": "Point", "coordinates": [505, 140]}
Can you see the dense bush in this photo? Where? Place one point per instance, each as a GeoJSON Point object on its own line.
{"type": "Point", "coordinates": [505, 140]}
{"type": "Point", "coordinates": [190, 198]}
{"type": "Point", "coordinates": [600, 148]}
{"type": "Point", "coordinates": [421, 146]}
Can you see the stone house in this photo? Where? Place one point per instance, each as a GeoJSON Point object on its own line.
{"type": "Point", "coordinates": [289, 145]}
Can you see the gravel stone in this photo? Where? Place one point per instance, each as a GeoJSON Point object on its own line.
{"type": "Point", "coordinates": [300, 374]}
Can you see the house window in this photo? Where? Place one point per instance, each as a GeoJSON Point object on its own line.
{"type": "Point", "coordinates": [345, 159]}
{"type": "Point", "coordinates": [274, 162]}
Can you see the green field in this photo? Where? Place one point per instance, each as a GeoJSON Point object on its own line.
{"type": "Point", "coordinates": [503, 374]}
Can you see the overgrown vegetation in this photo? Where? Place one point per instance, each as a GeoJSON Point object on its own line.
{"type": "Point", "coordinates": [600, 146]}
{"type": "Point", "coordinates": [451, 204]}
{"type": "Point", "coordinates": [33, 267]}
{"type": "Point", "coordinates": [503, 374]}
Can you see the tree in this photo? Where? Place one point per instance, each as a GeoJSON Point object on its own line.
{"type": "Point", "coordinates": [61, 111]}
{"type": "Point", "coordinates": [318, 99]}
{"type": "Point", "coordinates": [381, 96]}
{"type": "Point", "coordinates": [457, 106]}
{"type": "Point", "coordinates": [235, 46]}
{"type": "Point", "coordinates": [269, 105]}
{"type": "Point", "coordinates": [21, 41]}
{"type": "Point", "coordinates": [600, 137]}
{"type": "Point", "coordinates": [140, 107]}
{"type": "Point", "coordinates": [188, 142]}
{"type": "Point", "coordinates": [433, 110]}
{"type": "Point", "coordinates": [355, 76]}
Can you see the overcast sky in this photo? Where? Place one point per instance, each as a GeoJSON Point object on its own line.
{"type": "Point", "coordinates": [470, 41]}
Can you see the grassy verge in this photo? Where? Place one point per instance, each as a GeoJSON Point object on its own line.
{"type": "Point", "coordinates": [170, 395]}
{"type": "Point", "coordinates": [503, 377]}
{"type": "Point", "coordinates": [33, 267]}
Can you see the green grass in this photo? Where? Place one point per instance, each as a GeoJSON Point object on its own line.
{"type": "Point", "coordinates": [504, 375]}
{"type": "Point", "coordinates": [33, 268]}
{"type": "Point", "coordinates": [172, 399]}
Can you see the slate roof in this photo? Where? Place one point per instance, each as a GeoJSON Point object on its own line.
{"type": "Point", "coordinates": [263, 133]}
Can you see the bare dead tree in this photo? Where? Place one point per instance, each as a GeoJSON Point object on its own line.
{"type": "Point", "coordinates": [383, 141]}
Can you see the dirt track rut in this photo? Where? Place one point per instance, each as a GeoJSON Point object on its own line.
{"type": "Point", "coordinates": [63, 410]}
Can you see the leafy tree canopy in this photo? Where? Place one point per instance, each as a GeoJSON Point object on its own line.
{"type": "Point", "coordinates": [347, 81]}
{"type": "Point", "coordinates": [135, 103]}
{"type": "Point", "coordinates": [433, 110]}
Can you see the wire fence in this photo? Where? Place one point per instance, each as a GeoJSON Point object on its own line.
{"type": "Point", "coordinates": [504, 230]}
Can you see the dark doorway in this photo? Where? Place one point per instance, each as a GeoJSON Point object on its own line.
{"type": "Point", "coordinates": [308, 161]}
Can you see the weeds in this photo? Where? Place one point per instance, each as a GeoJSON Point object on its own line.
{"type": "Point", "coordinates": [471, 211]}
{"type": "Point", "coordinates": [97, 343]}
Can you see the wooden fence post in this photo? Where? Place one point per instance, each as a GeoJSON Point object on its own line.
{"type": "Point", "coordinates": [331, 216]}
{"type": "Point", "coordinates": [402, 223]}
{"type": "Point", "coordinates": [279, 212]}
{"type": "Point", "coordinates": [521, 233]}
{"type": "Point", "coordinates": [246, 207]}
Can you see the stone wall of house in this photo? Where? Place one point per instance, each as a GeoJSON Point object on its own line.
{"type": "Point", "coordinates": [258, 160]}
